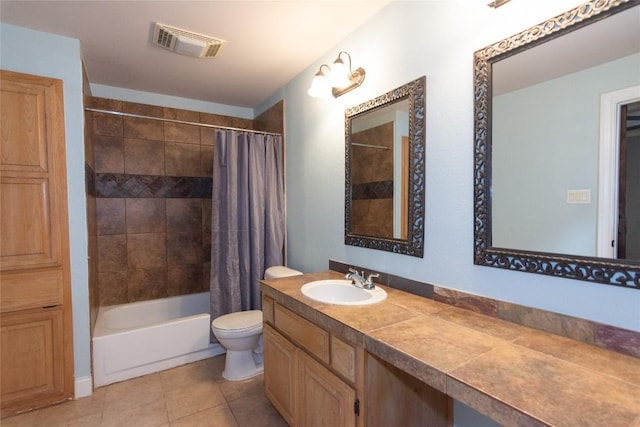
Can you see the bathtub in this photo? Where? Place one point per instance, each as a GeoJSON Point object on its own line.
{"type": "Point", "coordinates": [140, 338]}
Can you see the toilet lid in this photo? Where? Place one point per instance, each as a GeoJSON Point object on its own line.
{"type": "Point", "coordinates": [239, 320]}
{"type": "Point", "coordinates": [278, 271]}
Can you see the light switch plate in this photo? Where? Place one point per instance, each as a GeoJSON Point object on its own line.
{"type": "Point", "coordinates": [579, 196]}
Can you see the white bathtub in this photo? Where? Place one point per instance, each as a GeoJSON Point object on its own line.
{"type": "Point", "coordinates": [140, 338]}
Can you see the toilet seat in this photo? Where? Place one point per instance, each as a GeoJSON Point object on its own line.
{"type": "Point", "coordinates": [240, 322]}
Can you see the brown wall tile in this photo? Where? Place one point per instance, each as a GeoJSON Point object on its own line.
{"type": "Point", "coordinates": [467, 301]}
{"type": "Point", "coordinates": [106, 104]}
{"type": "Point", "coordinates": [112, 253]}
{"type": "Point", "coordinates": [618, 339]}
{"type": "Point", "coordinates": [184, 279]}
{"type": "Point", "coordinates": [272, 120]}
{"type": "Point", "coordinates": [145, 216]}
{"type": "Point", "coordinates": [535, 318]}
{"type": "Point", "coordinates": [143, 128]}
{"type": "Point", "coordinates": [147, 284]}
{"type": "Point", "coordinates": [183, 115]}
{"type": "Point", "coordinates": [185, 248]}
{"type": "Point", "coordinates": [184, 215]}
{"type": "Point", "coordinates": [207, 136]}
{"type": "Point", "coordinates": [107, 125]}
{"type": "Point", "coordinates": [108, 154]}
{"type": "Point", "coordinates": [206, 246]}
{"type": "Point", "coordinates": [178, 132]}
{"type": "Point", "coordinates": [206, 215]}
{"type": "Point", "coordinates": [182, 159]}
{"type": "Point", "coordinates": [206, 276]}
{"type": "Point", "coordinates": [143, 157]}
{"type": "Point", "coordinates": [206, 160]}
{"type": "Point", "coordinates": [143, 109]}
{"type": "Point", "coordinates": [146, 251]}
{"type": "Point", "coordinates": [113, 288]}
{"type": "Point", "coordinates": [110, 216]}
{"type": "Point", "coordinates": [216, 119]}
{"type": "Point", "coordinates": [240, 123]}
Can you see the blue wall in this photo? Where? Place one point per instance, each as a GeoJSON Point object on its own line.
{"type": "Point", "coordinates": [405, 40]}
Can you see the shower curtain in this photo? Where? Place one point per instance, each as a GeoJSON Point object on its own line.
{"type": "Point", "coordinates": [247, 228]}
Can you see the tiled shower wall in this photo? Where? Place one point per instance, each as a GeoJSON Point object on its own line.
{"type": "Point", "coordinates": [152, 186]}
{"type": "Point", "coordinates": [372, 182]}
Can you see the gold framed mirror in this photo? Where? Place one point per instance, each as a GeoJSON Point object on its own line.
{"type": "Point", "coordinates": [542, 181]}
{"type": "Point", "coordinates": [384, 171]}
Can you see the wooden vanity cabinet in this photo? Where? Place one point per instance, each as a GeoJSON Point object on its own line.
{"type": "Point", "coordinates": [307, 382]}
{"type": "Point", "coordinates": [315, 378]}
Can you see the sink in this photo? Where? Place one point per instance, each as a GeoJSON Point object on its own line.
{"type": "Point", "coordinates": [342, 292]}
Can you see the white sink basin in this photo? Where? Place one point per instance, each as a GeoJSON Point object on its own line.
{"type": "Point", "coordinates": [342, 292]}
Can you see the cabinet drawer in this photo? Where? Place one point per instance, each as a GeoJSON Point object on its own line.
{"type": "Point", "coordinates": [343, 358]}
{"type": "Point", "coordinates": [304, 333]}
{"type": "Point", "coordinates": [267, 309]}
{"type": "Point", "coordinates": [24, 289]}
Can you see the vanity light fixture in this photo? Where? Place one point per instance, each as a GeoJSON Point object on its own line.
{"type": "Point", "coordinates": [337, 79]}
{"type": "Point", "coordinates": [497, 3]}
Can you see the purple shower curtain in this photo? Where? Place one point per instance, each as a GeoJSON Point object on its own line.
{"type": "Point", "coordinates": [247, 217]}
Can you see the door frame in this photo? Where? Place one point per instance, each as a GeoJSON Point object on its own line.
{"type": "Point", "coordinates": [608, 166]}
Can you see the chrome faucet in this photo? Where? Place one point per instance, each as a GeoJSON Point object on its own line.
{"type": "Point", "coordinates": [358, 279]}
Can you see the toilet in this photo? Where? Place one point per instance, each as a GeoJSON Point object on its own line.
{"type": "Point", "coordinates": [240, 333]}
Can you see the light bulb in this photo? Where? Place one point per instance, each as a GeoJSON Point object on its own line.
{"type": "Point", "coordinates": [320, 87]}
{"type": "Point", "coordinates": [339, 74]}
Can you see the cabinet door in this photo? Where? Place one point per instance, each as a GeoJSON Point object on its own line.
{"type": "Point", "coordinates": [34, 339]}
{"type": "Point", "coordinates": [280, 373]}
{"type": "Point", "coordinates": [324, 399]}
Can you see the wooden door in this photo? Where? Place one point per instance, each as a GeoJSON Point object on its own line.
{"type": "Point", "coordinates": [325, 400]}
{"type": "Point", "coordinates": [35, 286]}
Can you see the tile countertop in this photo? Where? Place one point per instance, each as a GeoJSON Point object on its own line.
{"type": "Point", "coordinates": [511, 373]}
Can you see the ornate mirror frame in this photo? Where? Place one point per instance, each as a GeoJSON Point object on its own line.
{"type": "Point", "coordinates": [415, 93]}
{"type": "Point", "coordinates": [625, 273]}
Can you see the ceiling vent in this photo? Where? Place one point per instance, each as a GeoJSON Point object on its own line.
{"type": "Point", "coordinates": [185, 42]}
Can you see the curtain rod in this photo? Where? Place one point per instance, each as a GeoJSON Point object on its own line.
{"type": "Point", "coordinates": [379, 147]}
{"type": "Point", "coordinates": [140, 116]}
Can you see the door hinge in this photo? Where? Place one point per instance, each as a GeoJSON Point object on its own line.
{"type": "Point", "coordinates": [356, 407]}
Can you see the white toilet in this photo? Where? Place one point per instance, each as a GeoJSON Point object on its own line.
{"type": "Point", "coordinates": [240, 334]}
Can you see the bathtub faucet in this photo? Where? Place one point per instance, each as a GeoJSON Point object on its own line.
{"type": "Point", "coordinates": [358, 279]}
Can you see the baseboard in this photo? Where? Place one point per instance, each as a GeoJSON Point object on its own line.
{"type": "Point", "coordinates": [83, 387]}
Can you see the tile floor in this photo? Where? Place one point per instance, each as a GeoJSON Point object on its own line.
{"type": "Point", "coordinates": [189, 395]}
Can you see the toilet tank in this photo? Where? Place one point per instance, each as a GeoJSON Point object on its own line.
{"type": "Point", "coordinates": [279, 271]}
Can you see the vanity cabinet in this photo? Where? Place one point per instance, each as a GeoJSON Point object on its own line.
{"type": "Point", "coordinates": [310, 376]}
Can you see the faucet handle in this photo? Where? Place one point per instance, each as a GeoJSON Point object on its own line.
{"type": "Point", "coordinates": [372, 276]}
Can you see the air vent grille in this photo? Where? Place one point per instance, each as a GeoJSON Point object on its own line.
{"type": "Point", "coordinates": [186, 42]}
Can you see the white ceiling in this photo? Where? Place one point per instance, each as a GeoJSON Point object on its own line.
{"type": "Point", "coordinates": [268, 42]}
